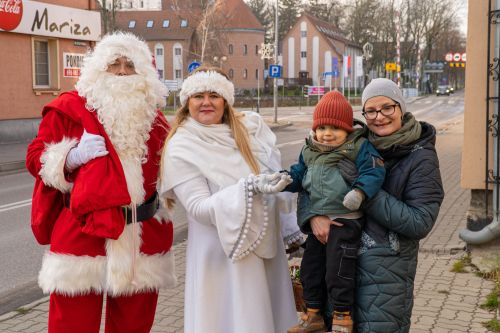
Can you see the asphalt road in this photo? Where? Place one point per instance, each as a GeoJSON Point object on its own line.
{"type": "Point", "coordinates": [20, 255]}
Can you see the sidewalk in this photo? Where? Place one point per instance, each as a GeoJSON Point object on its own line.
{"type": "Point", "coordinates": [445, 302]}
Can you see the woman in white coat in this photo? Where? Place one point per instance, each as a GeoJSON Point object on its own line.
{"type": "Point", "coordinates": [237, 276]}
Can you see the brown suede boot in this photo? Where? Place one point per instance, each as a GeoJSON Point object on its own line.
{"type": "Point", "coordinates": [310, 322]}
{"type": "Point", "coordinates": [342, 322]}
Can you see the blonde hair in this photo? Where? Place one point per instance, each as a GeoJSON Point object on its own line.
{"type": "Point", "coordinates": [232, 118]}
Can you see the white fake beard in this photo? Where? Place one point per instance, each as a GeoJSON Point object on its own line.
{"type": "Point", "coordinates": [120, 102]}
{"type": "Point", "coordinates": [122, 109]}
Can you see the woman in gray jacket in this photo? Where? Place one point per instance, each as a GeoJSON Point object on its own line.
{"type": "Point", "coordinates": [401, 214]}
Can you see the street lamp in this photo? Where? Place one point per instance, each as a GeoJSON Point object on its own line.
{"type": "Point", "coordinates": [220, 60]}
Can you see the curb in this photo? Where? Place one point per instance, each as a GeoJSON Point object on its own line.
{"type": "Point", "coordinates": [12, 166]}
{"type": "Point", "coordinates": [278, 126]}
{"type": "Point", "coordinates": [23, 309]}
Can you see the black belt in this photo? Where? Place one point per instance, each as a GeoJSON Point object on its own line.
{"type": "Point", "coordinates": [144, 212]}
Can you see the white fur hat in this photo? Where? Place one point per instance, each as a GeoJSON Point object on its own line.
{"type": "Point", "coordinates": [207, 81]}
{"type": "Point", "coordinates": [113, 46]}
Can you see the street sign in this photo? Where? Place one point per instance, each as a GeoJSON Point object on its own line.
{"type": "Point", "coordinates": [457, 57]}
{"type": "Point", "coordinates": [275, 71]}
{"type": "Point", "coordinates": [192, 66]}
{"type": "Point", "coordinates": [390, 66]}
{"type": "Point", "coordinates": [464, 57]}
{"type": "Point", "coordinates": [172, 85]}
{"type": "Point", "coordinates": [315, 90]}
{"type": "Point", "coordinates": [448, 57]}
{"type": "Point", "coordinates": [328, 74]}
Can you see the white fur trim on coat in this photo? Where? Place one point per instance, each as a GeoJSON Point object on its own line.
{"type": "Point", "coordinates": [53, 160]}
{"type": "Point", "coordinates": [151, 272]}
{"type": "Point", "coordinates": [72, 275]}
{"type": "Point", "coordinates": [78, 275]}
{"type": "Point", "coordinates": [132, 169]}
{"type": "Point", "coordinates": [207, 81]}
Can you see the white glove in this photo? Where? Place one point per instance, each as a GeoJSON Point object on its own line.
{"type": "Point", "coordinates": [353, 199]}
{"type": "Point", "coordinates": [89, 147]}
{"type": "Point", "coordinates": [272, 183]}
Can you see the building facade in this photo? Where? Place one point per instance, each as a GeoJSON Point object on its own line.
{"type": "Point", "coordinates": [319, 51]}
{"type": "Point", "coordinates": [175, 35]}
{"type": "Point", "coordinates": [42, 44]}
{"type": "Point", "coordinates": [481, 143]}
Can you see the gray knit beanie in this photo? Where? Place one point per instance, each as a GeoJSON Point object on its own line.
{"type": "Point", "coordinates": [383, 87]}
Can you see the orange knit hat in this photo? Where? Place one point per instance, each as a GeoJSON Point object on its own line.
{"type": "Point", "coordinates": [333, 109]}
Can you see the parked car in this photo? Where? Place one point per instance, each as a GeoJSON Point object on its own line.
{"type": "Point", "coordinates": [443, 90]}
{"type": "Point", "coordinates": [452, 90]}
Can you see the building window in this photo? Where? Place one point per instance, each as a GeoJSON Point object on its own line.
{"type": "Point", "coordinates": [257, 74]}
{"type": "Point", "coordinates": [131, 24]}
{"type": "Point", "coordinates": [177, 73]}
{"type": "Point", "coordinates": [45, 71]}
{"type": "Point", "coordinates": [159, 52]}
{"type": "Point", "coordinates": [256, 49]}
{"type": "Point", "coordinates": [178, 51]}
{"type": "Point", "coordinates": [184, 23]}
{"type": "Point", "coordinates": [303, 54]}
{"type": "Point", "coordinates": [42, 63]}
{"type": "Point", "coordinates": [303, 33]}
{"type": "Point", "coordinates": [149, 24]}
{"type": "Point", "coordinates": [230, 49]}
{"type": "Point", "coordinates": [231, 73]}
{"type": "Point", "coordinates": [142, 4]}
{"type": "Point", "coordinates": [160, 74]}
{"type": "Point", "coordinates": [166, 23]}
{"type": "Point", "coordinates": [245, 73]}
{"type": "Point", "coordinates": [245, 49]}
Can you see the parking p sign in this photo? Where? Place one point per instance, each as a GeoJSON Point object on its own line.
{"type": "Point", "coordinates": [275, 71]}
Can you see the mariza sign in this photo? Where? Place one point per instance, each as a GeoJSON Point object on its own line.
{"type": "Point", "coordinates": [36, 18]}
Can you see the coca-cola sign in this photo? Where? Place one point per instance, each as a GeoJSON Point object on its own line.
{"type": "Point", "coordinates": [11, 13]}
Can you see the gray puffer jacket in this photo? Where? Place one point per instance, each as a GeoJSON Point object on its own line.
{"type": "Point", "coordinates": [401, 214]}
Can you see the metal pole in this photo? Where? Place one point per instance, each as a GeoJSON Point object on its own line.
{"type": "Point", "coordinates": [398, 48]}
{"type": "Point", "coordinates": [258, 90]}
{"type": "Point", "coordinates": [275, 90]}
{"type": "Point", "coordinates": [419, 64]}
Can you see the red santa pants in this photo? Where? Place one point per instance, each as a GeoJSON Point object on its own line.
{"type": "Point", "coordinates": [82, 314]}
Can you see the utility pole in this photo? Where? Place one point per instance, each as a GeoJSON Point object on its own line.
{"type": "Point", "coordinates": [275, 90]}
{"type": "Point", "coordinates": [398, 47]}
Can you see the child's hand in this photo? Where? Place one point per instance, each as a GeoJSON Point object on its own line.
{"type": "Point", "coordinates": [353, 199]}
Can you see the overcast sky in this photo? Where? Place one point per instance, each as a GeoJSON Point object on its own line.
{"type": "Point", "coordinates": [462, 14]}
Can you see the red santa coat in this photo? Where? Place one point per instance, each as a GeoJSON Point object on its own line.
{"type": "Point", "coordinates": [91, 247]}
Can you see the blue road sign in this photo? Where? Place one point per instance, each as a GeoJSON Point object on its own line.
{"type": "Point", "coordinates": [275, 71]}
{"type": "Point", "coordinates": [192, 66]}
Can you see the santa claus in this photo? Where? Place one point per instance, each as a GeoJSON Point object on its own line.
{"type": "Point", "coordinates": [96, 160]}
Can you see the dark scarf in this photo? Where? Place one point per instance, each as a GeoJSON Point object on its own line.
{"type": "Point", "coordinates": [407, 134]}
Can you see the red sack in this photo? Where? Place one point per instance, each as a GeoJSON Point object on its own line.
{"type": "Point", "coordinates": [45, 208]}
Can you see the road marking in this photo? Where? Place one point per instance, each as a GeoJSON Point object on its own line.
{"type": "Point", "coordinates": [284, 144]}
{"type": "Point", "coordinates": [15, 205]}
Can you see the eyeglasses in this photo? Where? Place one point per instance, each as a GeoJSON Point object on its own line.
{"type": "Point", "coordinates": [386, 110]}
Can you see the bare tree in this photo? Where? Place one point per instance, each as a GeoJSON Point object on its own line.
{"type": "Point", "coordinates": [326, 10]}
{"type": "Point", "coordinates": [108, 14]}
{"type": "Point", "coordinates": [261, 10]}
{"type": "Point", "coordinates": [209, 38]}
